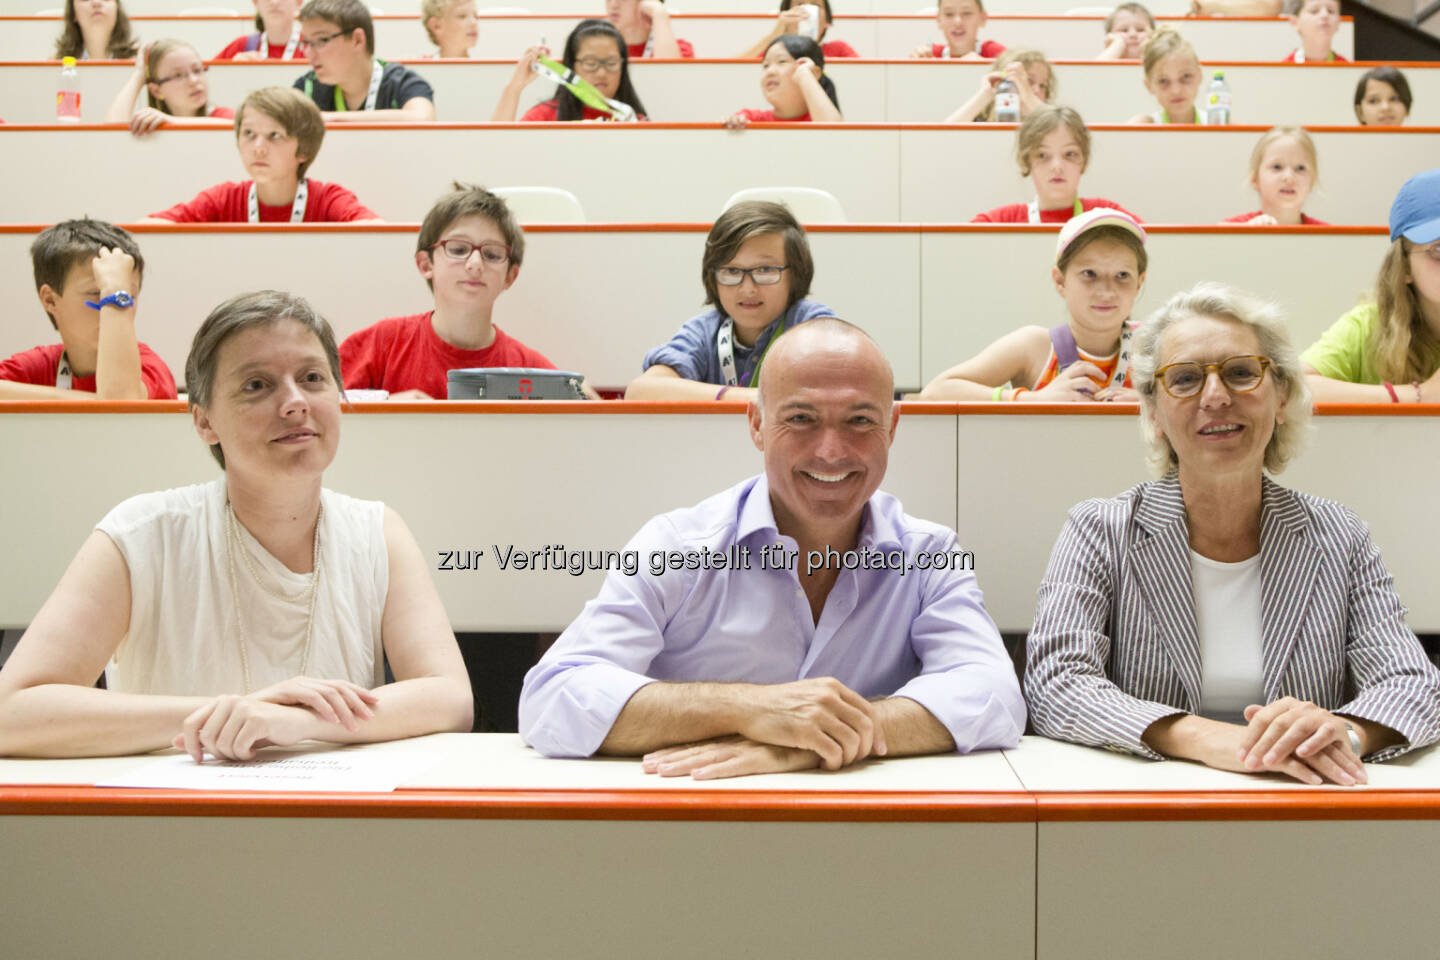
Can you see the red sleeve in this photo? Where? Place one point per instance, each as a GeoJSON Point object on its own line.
{"type": "Point", "coordinates": [544, 112]}
{"type": "Point", "coordinates": [839, 48]}
{"type": "Point", "coordinates": [1241, 218]}
{"type": "Point", "coordinates": [937, 49]}
{"type": "Point", "coordinates": [983, 218]}
{"type": "Point", "coordinates": [357, 353]}
{"type": "Point", "coordinates": [235, 46]}
{"type": "Point", "coordinates": [205, 208]}
{"type": "Point", "coordinates": [340, 205]}
{"type": "Point", "coordinates": [1291, 57]}
{"type": "Point", "coordinates": [159, 383]}
{"type": "Point", "coordinates": [687, 52]}
{"type": "Point", "coordinates": [759, 116]}
{"type": "Point", "coordinates": [29, 366]}
{"type": "Point", "coordinates": [223, 113]}
{"type": "Point", "coordinates": [990, 49]}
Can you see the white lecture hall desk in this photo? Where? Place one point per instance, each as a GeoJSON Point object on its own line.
{"type": "Point", "coordinates": [1050, 851]}
{"type": "Point", "coordinates": [239, 8]}
{"type": "Point", "coordinates": [481, 476]}
{"type": "Point", "coordinates": [870, 91]}
{"type": "Point", "coordinates": [718, 35]}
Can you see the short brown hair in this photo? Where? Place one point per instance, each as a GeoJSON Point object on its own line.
{"type": "Point", "coordinates": [240, 313]}
{"type": "Point", "coordinates": [59, 248]}
{"type": "Point", "coordinates": [752, 219]}
{"type": "Point", "coordinates": [468, 200]}
{"type": "Point", "coordinates": [1128, 8]}
{"type": "Point", "coordinates": [295, 112]}
{"type": "Point", "coordinates": [1043, 122]}
{"type": "Point", "coordinates": [347, 15]}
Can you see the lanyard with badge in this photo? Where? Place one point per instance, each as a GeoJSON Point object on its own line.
{"type": "Point", "coordinates": [297, 208]}
{"type": "Point", "coordinates": [1032, 210]}
{"type": "Point", "coordinates": [293, 43]}
{"type": "Point", "coordinates": [558, 73]}
{"type": "Point", "coordinates": [725, 348]}
{"type": "Point", "coordinates": [372, 100]}
{"type": "Point", "coordinates": [63, 378]}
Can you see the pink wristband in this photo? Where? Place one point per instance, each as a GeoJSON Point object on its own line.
{"type": "Point", "coordinates": [1390, 389]}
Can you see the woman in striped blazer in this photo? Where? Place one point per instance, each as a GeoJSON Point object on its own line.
{"type": "Point", "coordinates": [1214, 615]}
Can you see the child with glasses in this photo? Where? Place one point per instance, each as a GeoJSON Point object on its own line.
{"type": "Point", "coordinates": [346, 81]}
{"type": "Point", "coordinates": [469, 251]}
{"type": "Point", "coordinates": [277, 36]}
{"type": "Point", "coordinates": [1099, 270]}
{"type": "Point", "coordinates": [173, 77]}
{"type": "Point", "coordinates": [757, 271]}
{"type": "Point", "coordinates": [597, 53]}
{"type": "Point", "coordinates": [278, 133]}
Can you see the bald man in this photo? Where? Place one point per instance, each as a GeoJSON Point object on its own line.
{"type": "Point", "coordinates": [838, 629]}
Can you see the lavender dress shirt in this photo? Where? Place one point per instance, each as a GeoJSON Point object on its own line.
{"type": "Point", "coordinates": [910, 632]}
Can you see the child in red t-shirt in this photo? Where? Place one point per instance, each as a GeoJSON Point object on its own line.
{"type": "Point", "coordinates": [793, 19]}
{"type": "Point", "coordinates": [173, 77]}
{"type": "Point", "coordinates": [1316, 21]}
{"type": "Point", "coordinates": [277, 23]}
{"type": "Point", "coordinates": [597, 53]}
{"type": "Point", "coordinates": [278, 133]}
{"type": "Point", "coordinates": [469, 251]}
{"type": "Point", "coordinates": [1053, 148]}
{"type": "Point", "coordinates": [645, 25]}
{"type": "Point", "coordinates": [960, 22]}
{"type": "Point", "coordinates": [792, 77]}
{"type": "Point", "coordinates": [87, 274]}
{"type": "Point", "coordinates": [1283, 171]}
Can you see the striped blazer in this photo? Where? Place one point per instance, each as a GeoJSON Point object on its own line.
{"type": "Point", "coordinates": [1115, 647]}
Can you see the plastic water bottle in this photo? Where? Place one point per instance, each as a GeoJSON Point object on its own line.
{"type": "Point", "coordinates": [67, 99]}
{"type": "Point", "coordinates": [1007, 102]}
{"type": "Point", "coordinates": [1217, 101]}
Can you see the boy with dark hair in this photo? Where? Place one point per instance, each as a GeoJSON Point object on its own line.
{"type": "Point", "coordinates": [346, 80]}
{"type": "Point", "coordinates": [469, 252]}
{"type": "Point", "coordinates": [87, 274]}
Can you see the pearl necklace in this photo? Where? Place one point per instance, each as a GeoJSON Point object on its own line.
{"type": "Point", "coordinates": [234, 544]}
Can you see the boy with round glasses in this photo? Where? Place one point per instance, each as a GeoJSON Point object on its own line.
{"type": "Point", "coordinates": [757, 271]}
{"type": "Point", "coordinates": [469, 252]}
{"type": "Point", "coordinates": [346, 80]}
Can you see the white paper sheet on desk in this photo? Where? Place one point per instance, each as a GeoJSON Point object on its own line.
{"type": "Point", "coordinates": [324, 770]}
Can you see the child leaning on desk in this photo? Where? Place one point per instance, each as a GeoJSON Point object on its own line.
{"type": "Point", "coordinates": [87, 275]}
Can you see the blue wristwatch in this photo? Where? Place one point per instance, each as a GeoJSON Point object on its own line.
{"type": "Point", "coordinates": [119, 299]}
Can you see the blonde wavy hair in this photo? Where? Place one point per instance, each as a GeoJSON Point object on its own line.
{"type": "Point", "coordinates": [1267, 322]}
{"type": "Point", "coordinates": [1028, 58]}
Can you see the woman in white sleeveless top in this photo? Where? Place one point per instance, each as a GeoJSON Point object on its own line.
{"type": "Point", "coordinates": [253, 610]}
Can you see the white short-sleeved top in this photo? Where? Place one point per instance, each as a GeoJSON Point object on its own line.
{"type": "Point", "coordinates": [183, 638]}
